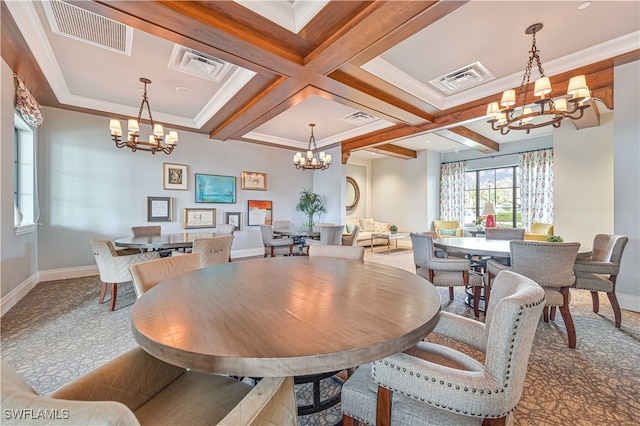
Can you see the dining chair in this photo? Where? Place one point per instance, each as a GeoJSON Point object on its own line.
{"type": "Point", "coordinates": [551, 266]}
{"type": "Point", "coordinates": [330, 235]}
{"type": "Point", "coordinates": [440, 385]}
{"type": "Point", "coordinates": [136, 388]}
{"type": "Point", "coordinates": [214, 250]}
{"type": "Point", "coordinates": [344, 252]}
{"type": "Point", "coordinates": [113, 265]}
{"type": "Point", "coordinates": [352, 238]}
{"type": "Point", "coordinates": [273, 245]}
{"type": "Point", "coordinates": [598, 271]}
{"type": "Point", "coordinates": [504, 233]}
{"type": "Point", "coordinates": [147, 275]}
{"type": "Point", "coordinates": [225, 229]}
{"type": "Point", "coordinates": [444, 272]}
{"type": "Point", "coordinates": [146, 231]}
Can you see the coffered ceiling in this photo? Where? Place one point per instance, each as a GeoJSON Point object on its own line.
{"type": "Point", "coordinates": [362, 71]}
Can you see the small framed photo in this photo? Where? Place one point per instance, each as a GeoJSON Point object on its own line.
{"type": "Point", "coordinates": [234, 218]}
{"type": "Point", "coordinates": [199, 218]}
{"type": "Point", "coordinates": [176, 176]}
{"type": "Point", "coordinates": [159, 209]}
{"type": "Point", "coordinates": [254, 180]}
{"type": "Point", "coordinates": [260, 212]}
{"type": "Point", "coordinates": [215, 189]}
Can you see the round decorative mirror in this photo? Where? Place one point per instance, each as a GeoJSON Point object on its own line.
{"type": "Point", "coordinates": [352, 194]}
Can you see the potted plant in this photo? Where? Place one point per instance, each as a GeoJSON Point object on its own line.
{"type": "Point", "coordinates": [479, 223]}
{"type": "Point", "coordinates": [393, 229]}
{"type": "Point", "coordinates": [554, 239]}
{"type": "Point", "coordinates": [310, 204]}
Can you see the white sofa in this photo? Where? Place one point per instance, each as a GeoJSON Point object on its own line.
{"type": "Point", "coordinates": [367, 227]}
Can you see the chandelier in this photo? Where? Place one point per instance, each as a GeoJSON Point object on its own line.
{"type": "Point", "coordinates": [511, 115]}
{"type": "Point", "coordinates": [313, 160]}
{"type": "Point", "coordinates": [133, 141]}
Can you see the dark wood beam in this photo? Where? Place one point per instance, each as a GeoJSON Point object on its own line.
{"type": "Point", "coordinates": [469, 138]}
{"type": "Point", "coordinates": [394, 151]}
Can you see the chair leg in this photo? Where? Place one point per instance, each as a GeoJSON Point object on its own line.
{"type": "Point", "coordinates": [545, 314]}
{"type": "Point", "coordinates": [568, 322]}
{"type": "Point", "coordinates": [383, 407]}
{"type": "Point", "coordinates": [495, 422]}
{"type": "Point", "coordinates": [103, 292]}
{"type": "Point", "coordinates": [616, 308]}
{"type": "Point", "coordinates": [114, 294]}
{"type": "Point", "coordinates": [273, 251]}
{"type": "Point", "coordinates": [450, 294]}
{"type": "Point", "coordinates": [596, 302]}
{"type": "Point", "coordinates": [348, 421]}
{"type": "Point", "coordinates": [552, 313]}
{"type": "Point", "coordinates": [487, 292]}
{"type": "Point", "coordinates": [476, 300]}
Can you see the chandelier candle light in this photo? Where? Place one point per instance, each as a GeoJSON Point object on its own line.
{"type": "Point", "coordinates": [509, 115]}
{"type": "Point", "coordinates": [133, 137]}
{"type": "Point", "coordinates": [313, 160]}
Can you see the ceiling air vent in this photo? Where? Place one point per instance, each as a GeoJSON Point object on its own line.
{"type": "Point", "coordinates": [198, 64]}
{"type": "Point", "coordinates": [358, 118]}
{"type": "Point", "coordinates": [463, 78]}
{"type": "Point", "coordinates": [79, 24]}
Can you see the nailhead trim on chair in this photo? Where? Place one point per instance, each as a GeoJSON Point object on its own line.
{"type": "Point", "coordinates": [473, 390]}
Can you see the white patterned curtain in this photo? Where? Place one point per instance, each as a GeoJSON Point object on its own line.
{"type": "Point", "coordinates": [27, 105]}
{"type": "Point", "coordinates": [536, 187]}
{"type": "Point", "coordinates": [452, 191]}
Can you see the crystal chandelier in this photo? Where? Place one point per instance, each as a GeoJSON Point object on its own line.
{"type": "Point", "coordinates": [133, 137]}
{"type": "Point", "coordinates": [313, 160]}
{"type": "Point", "coordinates": [509, 114]}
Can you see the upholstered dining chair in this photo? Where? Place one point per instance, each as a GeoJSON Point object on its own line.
{"type": "Point", "coordinates": [149, 274]}
{"type": "Point", "coordinates": [344, 252]}
{"type": "Point", "coordinates": [113, 265]}
{"type": "Point", "coordinates": [444, 272]}
{"type": "Point", "coordinates": [598, 271]}
{"type": "Point", "coordinates": [214, 250]}
{"type": "Point", "coordinates": [439, 385]}
{"type": "Point", "coordinates": [330, 235]}
{"type": "Point", "coordinates": [225, 229]}
{"type": "Point", "coordinates": [137, 389]}
{"type": "Point", "coordinates": [274, 245]}
{"type": "Point", "coordinates": [504, 233]}
{"type": "Point", "coordinates": [551, 266]}
{"type": "Point", "coordinates": [146, 231]}
{"type": "Point", "coordinates": [352, 238]}
{"type": "Point", "coordinates": [447, 228]}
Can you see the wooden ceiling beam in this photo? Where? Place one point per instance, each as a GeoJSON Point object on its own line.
{"type": "Point", "coordinates": [469, 138]}
{"type": "Point", "coordinates": [394, 151]}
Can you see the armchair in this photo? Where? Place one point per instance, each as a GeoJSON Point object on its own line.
{"type": "Point", "coordinates": [435, 384]}
{"type": "Point", "coordinates": [352, 238]}
{"type": "Point", "coordinates": [272, 244]}
{"type": "Point", "coordinates": [330, 235]}
{"type": "Point", "coordinates": [147, 275]}
{"type": "Point", "coordinates": [215, 250]}
{"type": "Point", "coordinates": [539, 232]}
{"type": "Point", "coordinates": [447, 228]}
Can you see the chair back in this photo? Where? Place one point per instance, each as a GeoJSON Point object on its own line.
{"type": "Point", "coordinates": [608, 248]}
{"type": "Point", "coordinates": [352, 238]}
{"type": "Point", "coordinates": [267, 233]}
{"type": "Point", "coordinates": [548, 264]}
{"type": "Point", "coordinates": [541, 228]}
{"type": "Point", "coordinates": [146, 231]}
{"type": "Point", "coordinates": [331, 235]}
{"type": "Point", "coordinates": [510, 326]}
{"type": "Point", "coordinates": [504, 233]}
{"type": "Point", "coordinates": [147, 275]}
{"type": "Point", "coordinates": [213, 251]}
{"type": "Point", "coordinates": [448, 225]}
{"type": "Point", "coordinates": [281, 224]}
{"type": "Point", "coordinates": [343, 252]}
{"type": "Point", "coordinates": [104, 252]}
{"type": "Point", "coordinates": [271, 402]}
{"type": "Point", "coordinates": [225, 229]}
{"type": "Point", "coordinates": [422, 244]}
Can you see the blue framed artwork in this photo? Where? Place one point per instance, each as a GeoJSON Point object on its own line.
{"type": "Point", "coordinates": [215, 189]}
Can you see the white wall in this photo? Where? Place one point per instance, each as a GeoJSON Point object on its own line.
{"type": "Point", "coordinates": [330, 185]}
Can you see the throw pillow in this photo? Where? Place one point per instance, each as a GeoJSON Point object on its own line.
{"type": "Point", "coordinates": [367, 225]}
{"type": "Point", "coordinates": [350, 227]}
{"type": "Point", "coordinates": [380, 227]}
{"type": "Point", "coordinates": [448, 232]}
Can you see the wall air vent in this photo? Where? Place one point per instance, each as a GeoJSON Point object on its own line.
{"type": "Point", "coordinates": [463, 78]}
{"type": "Point", "coordinates": [359, 118]}
{"type": "Point", "coordinates": [79, 24]}
{"type": "Point", "coordinates": [198, 64]}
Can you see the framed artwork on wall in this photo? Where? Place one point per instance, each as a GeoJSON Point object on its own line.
{"type": "Point", "coordinates": [199, 218]}
{"type": "Point", "coordinates": [159, 209]}
{"type": "Point", "coordinates": [234, 218]}
{"type": "Point", "coordinates": [215, 189]}
{"type": "Point", "coordinates": [259, 212]}
{"type": "Point", "coordinates": [176, 176]}
{"type": "Point", "coordinates": [254, 180]}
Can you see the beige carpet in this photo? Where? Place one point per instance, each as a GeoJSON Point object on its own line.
{"type": "Point", "coordinates": [58, 332]}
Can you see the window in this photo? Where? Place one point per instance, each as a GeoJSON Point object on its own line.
{"type": "Point", "coordinates": [498, 186]}
{"type": "Point", "coordinates": [24, 173]}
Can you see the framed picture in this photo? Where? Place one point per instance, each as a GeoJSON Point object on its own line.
{"type": "Point", "coordinates": [254, 180]}
{"type": "Point", "coordinates": [199, 218]}
{"type": "Point", "coordinates": [159, 209]}
{"type": "Point", "coordinates": [215, 189]}
{"type": "Point", "coordinates": [176, 176]}
{"type": "Point", "coordinates": [259, 212]}
{"type": "Point", "coordinates": [234, 218]}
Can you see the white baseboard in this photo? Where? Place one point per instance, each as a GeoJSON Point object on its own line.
{"type": "Point", "coordinates": [628, 302]}
{"type": "Point", "coordinates": [18, 293]}
{"type": "Point", "coordinates": [256, 251]}
{"type": "Point", "coordinates": [66, 273]}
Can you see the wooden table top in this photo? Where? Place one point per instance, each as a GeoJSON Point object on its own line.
{"type": "Point", "coordinates": [481, 246]}
{"type": "Point", "coordinates": [285, 316]}
{"type": "Point", "coordinates": [164, 241]}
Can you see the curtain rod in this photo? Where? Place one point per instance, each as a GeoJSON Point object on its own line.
{"type": "Point", "coordinates": [499, 155]}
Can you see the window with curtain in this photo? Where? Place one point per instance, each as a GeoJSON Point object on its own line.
{"type": "Point", "coordinates": [498, 186]}
{"type": "Point", "coordinates": [536, 187]}
{"type": "Point", "coordinates": [452, 176]}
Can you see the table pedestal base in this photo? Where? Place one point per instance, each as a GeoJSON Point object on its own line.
{"type": "Point", "coordinates": [318, 404]}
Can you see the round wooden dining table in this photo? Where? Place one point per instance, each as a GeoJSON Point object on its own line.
{"type": "Point", "coordinates": [284, 316]}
